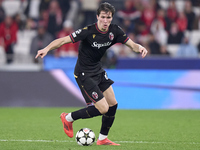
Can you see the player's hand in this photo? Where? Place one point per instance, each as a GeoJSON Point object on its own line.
{"type": "Point", "coordinates": [41, 53]}
{"type": "Point", "coordinates": [143, 51]}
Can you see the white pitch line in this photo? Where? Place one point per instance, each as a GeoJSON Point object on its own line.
{"type": "Point", "coordinates": [45, 141]}
{"type": "Point", "coordinates": [136, 142]}
{"type": "Point", "coordinates": [147, 142]}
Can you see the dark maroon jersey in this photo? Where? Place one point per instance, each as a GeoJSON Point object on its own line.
{"type": "Point", "coordinates": [94, 44]}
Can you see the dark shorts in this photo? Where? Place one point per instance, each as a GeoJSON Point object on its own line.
{"type": "Point", "coordinates": [92, 87]}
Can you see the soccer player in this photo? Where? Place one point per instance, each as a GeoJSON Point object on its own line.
{"type": "Point", "coordinates": [91, 77]}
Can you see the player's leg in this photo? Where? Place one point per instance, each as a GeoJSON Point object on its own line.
{"type": "Point", "coordinates": [91, 93]}
{"type": "Point", "coordinates": [100, 106]}
{"type": "Point", "coordinates": [108, 118]}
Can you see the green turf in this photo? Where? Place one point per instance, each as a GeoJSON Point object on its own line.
{"type": "Point", "coordinates": [41, 129]}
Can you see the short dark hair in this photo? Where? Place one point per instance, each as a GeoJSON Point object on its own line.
{"type": "Point", "coordinates": [107, 7]}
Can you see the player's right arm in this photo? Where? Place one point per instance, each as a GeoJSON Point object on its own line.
{"type": "Point", "coordinates": [53, 45]}
{"type": "Point", "coordinates": [136, 47]}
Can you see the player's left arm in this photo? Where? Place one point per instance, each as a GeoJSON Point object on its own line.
{"type": "Point", "coordinates": [136, 47]}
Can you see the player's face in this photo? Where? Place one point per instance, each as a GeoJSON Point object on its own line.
{"type": "Point", "coordinates": [104, 20]}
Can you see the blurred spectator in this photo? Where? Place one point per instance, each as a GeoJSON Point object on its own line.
{"type": "Point", "coordinates": [189, 14]}
{"type": "Point", "coordinates": [142, 33]}
{"type": "Point", "coordinates": [55, 19]}
{"type": "Point", "coordinates": [44, 5]}
{"type": "Point", "coordinates": [172, 12]}
{"type": "Point", "coordinates": [148, 14]}
{"type": "Point", "coordinates": [89, 8]}
{"type": "Point", "coordinates": [44, 17]}
{"type": "Point", "coordinates": [195, 3]}
{"type": "Point", "coordinates": [65, 6]}
{"type": "Point", "coordinates": [198, 46]}
{"type": "Point", "coordinates": [197, 23]}
{"type": "Point", "coordinates": [41, 40]}
{"type": "Point", "coordinates": [161, 16]}
{"type": "Point", "coordinates": [138, 5]}
{"type": "Point", "coordinates": [2, 12]}
{"type": "Point", "coordinates": [175, 36]}
{"type": "Point", "coordinates": [155, 4]}
{"type": "Point", "coordinates": [164, 51]}
{"type": "Point", "coordinates": [30, 24]}
{"type": "Point", "coordinates": [182, 21]}
{"type": "Point", "coordinates": [186, 49]}
{"type": "Point", "coordinates": [128, 16]}
{"type": "Point", "coordinates": [32, 9]}
{"type": "Point", "coordinates": [20, 22]}
{"type": "Point", "coordinates": [73, 14]}
{"type": "Point", "coordinates": [127, 26]}
{"type": "Point", "coordinates": [153, 45]}
{"type": "Point", "coordinates": [70, 49]}
{"type": "Point", "coordinates": [2, 55]}
{"type": "Point", "coordinates": [8, 36]}
{"type": "Point", "coordinates": [198, 20]}
{"type": "Point", "coordinates": [157, 28]}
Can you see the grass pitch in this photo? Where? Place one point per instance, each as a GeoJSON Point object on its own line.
{"type": "Point", "coordinates": [41, 129]}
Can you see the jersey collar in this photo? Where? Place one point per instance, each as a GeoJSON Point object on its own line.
{"type": "Point", "coordinates": [100, 30]}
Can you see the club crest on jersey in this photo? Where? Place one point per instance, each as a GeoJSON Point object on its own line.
{"type": "Point", "coordinates": [94, 35]}
{"type": "Point", "coordinates": [95, 95]}
{"type": "Point", "coordinates": [111, 36]}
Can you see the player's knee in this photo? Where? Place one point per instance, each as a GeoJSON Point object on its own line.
{"type": "Point", "coordinates": [102, 106]}
{"type": "Point", "coordinates": [104, 110]}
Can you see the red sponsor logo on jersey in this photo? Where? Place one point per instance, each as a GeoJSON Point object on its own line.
{"type": "Point", "coordinates": [111, 36]}
{"type": "Point", "coordinates": [94, 95]}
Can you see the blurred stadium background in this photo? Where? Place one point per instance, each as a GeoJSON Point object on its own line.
{"type": "Point", "coordinates": [168, 78]}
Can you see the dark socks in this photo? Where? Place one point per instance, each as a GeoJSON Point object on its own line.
{"type": "Point", "coordinates": [85, 113]}
{"type": "Point", "coordinates": [108, 119]}
{"type": "Point", "coordinates": [91, 111]}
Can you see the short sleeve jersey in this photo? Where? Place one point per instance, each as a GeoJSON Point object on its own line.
{"type": "Point", "coordinates": [94, 44]}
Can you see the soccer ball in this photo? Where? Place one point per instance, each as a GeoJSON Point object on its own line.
{"type": "Point", "coordinates": [85, 137]}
